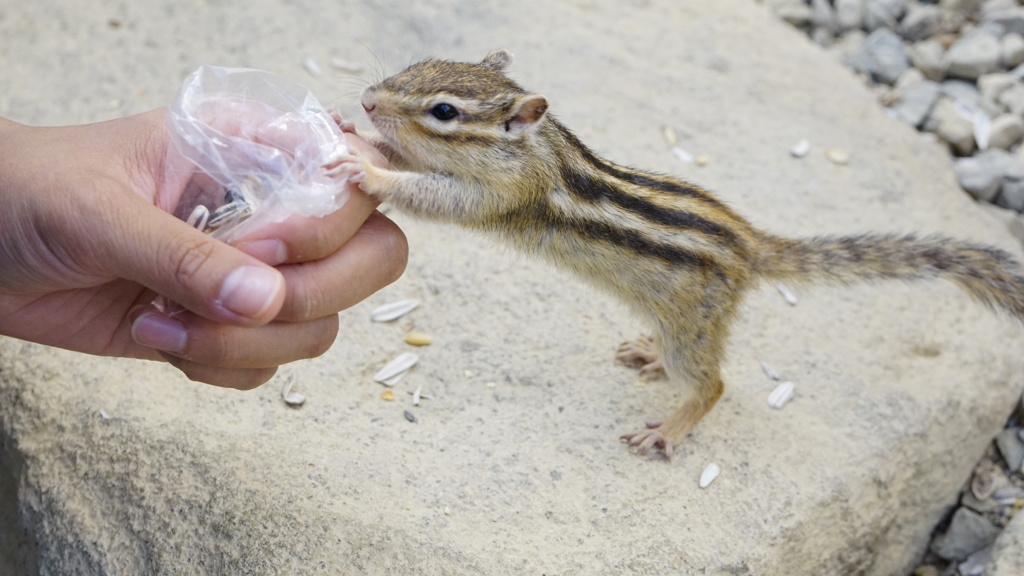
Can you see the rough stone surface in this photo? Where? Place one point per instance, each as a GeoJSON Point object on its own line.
{"type": "Point", "coordinates": [514, 467]}
{"type": "Point", "coordinates": [967, 533]}
{"type": "Point", "coordinates": [916, 102]}
{"type": "Point", "coordinates": [1008, 551]}
{"type": "Point", "coordinates": [1011, 49]}
{"type": "Point", "coordinates": [882, 56]}
{"type": "Point", "coordinates": [883, 13]}
{"type": "Point", "coordinates": [921, 21]}
{"type": "Point", "coordinates": [1013, 98]}
{"type": "Point", "coordinates": [973, 55]}
{"type": "Point", "coordinates": [1007, 131]}
{"type": "Point", "coordinates": [982, 175]}
{"type": "Point", "coordinates": [1011, 194]}
{"type": "Point", "coordinates": [849, 13]}
{"type": "Point", "coordinates": [928, 57]}
{"type": "Point", "coordinates": [1011, 448]}
{"type": "Point", "coordinates": [1011, 20]}
{"type": "Point", "coordinates": [951, 126]}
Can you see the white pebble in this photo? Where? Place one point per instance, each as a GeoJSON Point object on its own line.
{"type": "Point", "coordinates": [782, 394]}
{"type": "Point", "coordinates": [709, 474]}
{"type": "Point", "coordinates": [395, 369]}
{"type": "Point", "coordinates": [394, 310]}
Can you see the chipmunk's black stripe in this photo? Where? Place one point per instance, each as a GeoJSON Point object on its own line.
{"type": "Point", "coordinates": [664, 184]}
{"type": "Point", "coordinates": [595, 190]}
{"type": "Point", "coordinates": [638, 244]}
{"type": "Point", "coordinates": [552, 218]}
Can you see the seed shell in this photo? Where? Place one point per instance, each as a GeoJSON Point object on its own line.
{"type": "Point", "coordinates": [769, 371]}
{"type": "Point", "coordinates": [782, 394]}
{"type": "Point", "coordinates": [418, 339]}
{"type": "Point", "coordinates": [396, 368]}
{"type": "Point", "coordinates": [800, 149]}
{"type": "Point", "coordinates": [291, 398]}
{"type": "Point", "coordinates": [786, 293]}
{"type": "Point", "coordinates": [409, 416]}
{"type": "Point", "coordinates": [709, 474]}
{"type": "Point", "coordinates": [394, 310]}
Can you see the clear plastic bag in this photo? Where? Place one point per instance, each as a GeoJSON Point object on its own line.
{"type": "Point", "coordinates": [258, 144]}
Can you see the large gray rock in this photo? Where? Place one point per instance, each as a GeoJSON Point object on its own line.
{"type": "Point", "coordinates": [973, 55]}
{"type": "Point", "coordinates": [882, 56]}
{"type": "Point", "coordinates": [514, 466]}
{"type": "Point", "coordinates": [928, 57]}
{"type": "Point", "coordinates": [968, 532]}
{"type": "Point", "coordinates": [921, 21]}
{"type": "Point", "coordinates": [1008, 551]}
{"type": "Point", "coordinates": [916, 102]}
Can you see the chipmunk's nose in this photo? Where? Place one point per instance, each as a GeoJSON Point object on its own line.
{"type": "Point", "coordinates": [368, 107]}
{"type": "Point", "coordinates": [367, 99]}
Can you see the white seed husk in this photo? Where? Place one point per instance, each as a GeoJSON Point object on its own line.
{"type": "Point", "coordinates": [786, 293]}
{"type": "Point", "coordinates": [838, 156]}
{"type": "Point", "coordinates": [416, 396]}
{"type": "Point", "coordinates": [782, 394]}
{"type": "Point", "coordinates": [709, 474]}
{"type": "Point", "coordinates": [346, 66]}
{"type": "Point", "coordinates": [683, 156]}
{"type": "Point", "coordinates": [396, 368]}
{"type": "Point", "coordinates": [394, 310]}
{"type": "Point", "coordinates": [104, 415]}
{"type": "Point", "coordinates": [312, 67]}
{"type": "Point", "coordinates": [800, 149]}
{"type": "Point", "coordinates": [291, 398]}
{"type": "Point", "coordinates": [769, 371]}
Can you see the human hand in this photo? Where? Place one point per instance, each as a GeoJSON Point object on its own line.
{"type": "Point", "coordinates": [84, 249]}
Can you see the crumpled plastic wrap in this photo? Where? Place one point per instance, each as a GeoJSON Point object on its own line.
{"type": "Point", "coordinates": [258, 145]}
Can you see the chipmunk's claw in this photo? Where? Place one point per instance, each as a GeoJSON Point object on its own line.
{"type": "Point", "coordinates": [641, 443]}
{"type": "Point", "coordinates": [641, 352]}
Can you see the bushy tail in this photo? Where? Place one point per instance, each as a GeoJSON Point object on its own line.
{"type": "Point", "coordinates": [988, 274]}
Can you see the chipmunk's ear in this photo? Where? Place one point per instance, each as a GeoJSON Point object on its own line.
{"type": "Point", "coordinates": [526, 113]}
{"type": "Point", "coordinates": [497, 60]}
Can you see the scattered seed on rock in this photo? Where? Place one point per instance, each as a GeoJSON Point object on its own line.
{"type": "Point", "coordinates": [409, 416]}
{"type": "Point", "coordinates": [800, 149]}
{"type": "Point", "coordinates": [769, 371]}
{"type": "Point", "coordinates": [396, 368]}
{"type": "Point", "coordinates": [709, 474]}
{"type": "Point", "coordinates": [837, 156]}
{"type": "Point", "coordinates": [418, 339]}
{"type": "Point", "coordinates": [683, 156]}
{"type": "Point", "coordinates": [387, 395]}
{"type": "Point", "coordinates": [312, 67]}
{"type": "Point", "coordinates": [786, 293]}
{"type": "Point", "coordinates": [346, 66]}
{"type": "Point", "coordinates": [290, 398]}
{"type": "Point", "coordinates": [669, 133]}
{"type": "Point", "coordinates": [702, 160]}
{"type": "Point", "coordinates": [394, 310]}
{"type": "Point", "coordinates": [781, 396]}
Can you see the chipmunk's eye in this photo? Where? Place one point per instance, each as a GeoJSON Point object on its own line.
{"type": "Point", "coordinates": [444, 111]}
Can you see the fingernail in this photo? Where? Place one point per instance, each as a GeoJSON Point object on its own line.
{"type": "Point", "coordinates": [271, 252]}
{"type": "Point", "coordinates": [250, 290]}
{"type": "Point", "coordinates": [154, 330]}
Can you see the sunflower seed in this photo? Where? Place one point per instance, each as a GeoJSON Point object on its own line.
{"type": "Point", "coordinates": [394, 310]}
{"type": "Point", "coordinates": [669, 133]}
{"type": "Point", "coordinates": [786, 293]}
{"type": "Point", "coordinates": [709, 474]}
{"type": "Point", "coordinates": [769, 371]}
{"type": "Point", "coordinates": [782, 394]}
{"type": "Point", "coordinates": [838, 156]}
{"type": "Point", "coordinates": [409, 416]}
{"type": "Point", "coordinates": [418, 338]}
{"type": "Point", "coordinates": [291, 398]}
{"type": "Point", "coordinates": [395, 369]}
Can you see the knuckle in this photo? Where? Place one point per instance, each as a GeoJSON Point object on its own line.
{"type": "Point", "coordinates": [190, 257]}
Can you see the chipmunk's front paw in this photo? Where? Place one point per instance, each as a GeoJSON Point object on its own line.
{"type": "Point", "coordinates": [641, 352]}
{"type": "Point", "coordinates": [355, 168]}
{"type": "Point", "coordinates": [641, 443]}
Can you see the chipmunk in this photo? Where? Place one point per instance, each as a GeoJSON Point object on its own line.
{"type": "Point", "coordinates": [470, 146]}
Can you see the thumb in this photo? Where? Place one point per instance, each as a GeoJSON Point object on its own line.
{"type": "Point", "coordinates": [192, 269]}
